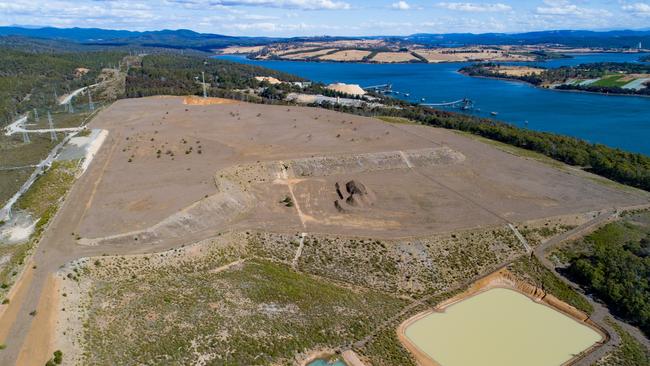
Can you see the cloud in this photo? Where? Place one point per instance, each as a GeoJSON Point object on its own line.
{"type": "Point", "coordinates": [642, 9]}
{"type": "Point", "coordinates": [287, 4]}
{"type": "Point", "coordinates": [564, 7]}
{"type": "Point", "coordinates": [475, 7]}
{"type": "Point", "coordinates": [401, 5]}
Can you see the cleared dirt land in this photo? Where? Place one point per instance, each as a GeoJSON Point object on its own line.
{"type": "Point", "coordinates": [165, 156]}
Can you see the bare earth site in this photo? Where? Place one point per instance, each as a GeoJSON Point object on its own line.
{"type": "Point", "coordinates": [219, 232]}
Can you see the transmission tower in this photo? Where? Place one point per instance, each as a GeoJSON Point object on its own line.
{"type": "Point", "coordinates": [91, 105]}
{"type": "Point", "coordinates": [53, 136]}
{"type": "Point", "coordinates": [205, 93]}
{"type": "Point", "coordinates": [26, 138]}
{"type": "Point", "coordinates": [36, 114]}
{"type": "Point", "coordinates": [70, 108]}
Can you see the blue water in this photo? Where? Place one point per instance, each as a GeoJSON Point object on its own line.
{"type": "Point", "coordinates": [320, 362]}
{"type": "Point", "coordinates": [618, 121]}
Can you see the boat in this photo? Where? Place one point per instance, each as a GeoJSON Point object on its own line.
{"type": "Point", "coordinates": [494, 113]}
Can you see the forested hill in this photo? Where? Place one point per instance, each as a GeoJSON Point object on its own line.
{"type": "Point", "coordinates": [174, 74]}
{"type": "Point", "coordinates": [187, 39]}
{"type": "Point", "coordinates": [29, 80]}
{"type": "Point", "coordinates": [571, 38]}
{"type": "Point", "coordinates": [172, 39]}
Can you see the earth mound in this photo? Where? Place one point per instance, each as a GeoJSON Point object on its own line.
{"type": "Point", "coordinates": [358, 196]}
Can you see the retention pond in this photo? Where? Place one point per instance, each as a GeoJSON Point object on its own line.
{"type": "Point", "coordinates": [500, 327]}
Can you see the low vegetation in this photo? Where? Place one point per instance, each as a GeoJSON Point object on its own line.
{"type": "Point", "coordinates": [629, 353]}
{"type": "Point", "coordinates": [614, 264]}
{"type": "Point", "coordinates": [255, 313]}
{"type": "Point", "coordinates": [41, 201]}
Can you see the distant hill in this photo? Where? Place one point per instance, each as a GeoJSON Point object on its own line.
{"type": "Point", "coordinates": [187, 39]}
{"type": "Point", "coordinates": [181, 38]}
{"type": "Point", "coordinates": [572, 38]}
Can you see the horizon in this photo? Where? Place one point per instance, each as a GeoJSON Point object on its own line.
{"type": "Point", "coordinates": [38, 27]}
{"type": "Point", "coordinates": [354, 18]}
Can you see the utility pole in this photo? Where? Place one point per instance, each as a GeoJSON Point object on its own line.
{"type": "Point", "coordinates": [53, 136]}
{"type": "Point", "coordinates": [205, 93]}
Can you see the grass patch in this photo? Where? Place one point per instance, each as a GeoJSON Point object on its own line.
{"type": "Point", "coordinates": [254, 314]}
{"type": "Point", "coordinates": [532, 271]}
{"type": "Point", "coordinates": [46, 191]}
{"type": "Point", "coordinates": [610, 81]}
{"type": "Point", "coordinates": [398, 120]}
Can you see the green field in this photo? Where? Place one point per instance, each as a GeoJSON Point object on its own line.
{"type": "Point", "coordinates": [614, 80]}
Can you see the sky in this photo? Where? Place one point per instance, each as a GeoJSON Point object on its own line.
{"type": "Point", "coordinates": [330, 17]}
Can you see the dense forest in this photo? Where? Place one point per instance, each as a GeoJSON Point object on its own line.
{"type": "Point", "coordinates": [614, 264]}
{"type": "Point", "coordinates": [175, 75]}
{"type": "Point", "coordinates": [29, 80]}
{"type": "Point", "coordinates": [564, 74]}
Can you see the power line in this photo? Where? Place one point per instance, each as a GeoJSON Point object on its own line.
{"type": "Point", "coordinates": [53, 136]}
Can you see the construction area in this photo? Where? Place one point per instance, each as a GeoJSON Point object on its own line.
{"type": "Point", "coordinates": [222, 232]}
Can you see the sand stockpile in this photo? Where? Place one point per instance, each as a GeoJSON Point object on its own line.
{"type": "Point", "coordinates": [352, 89]}
{"type": "Point", "coordinates": [194, 100]}
{"type": "Point", "coordinates": [269, 79]}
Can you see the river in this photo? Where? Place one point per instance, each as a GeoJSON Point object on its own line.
{"type": "Point", "coordinates": [618, 121]}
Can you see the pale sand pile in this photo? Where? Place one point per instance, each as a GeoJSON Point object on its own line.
{"type": "Point", "coordinates": [92, 148]}
{"type": "Point", "coordinates": [269, 79]}
{"type": "Point", "coordinates": [352, 89]}
{"type": "Point", "coordinates": [241, 50]}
